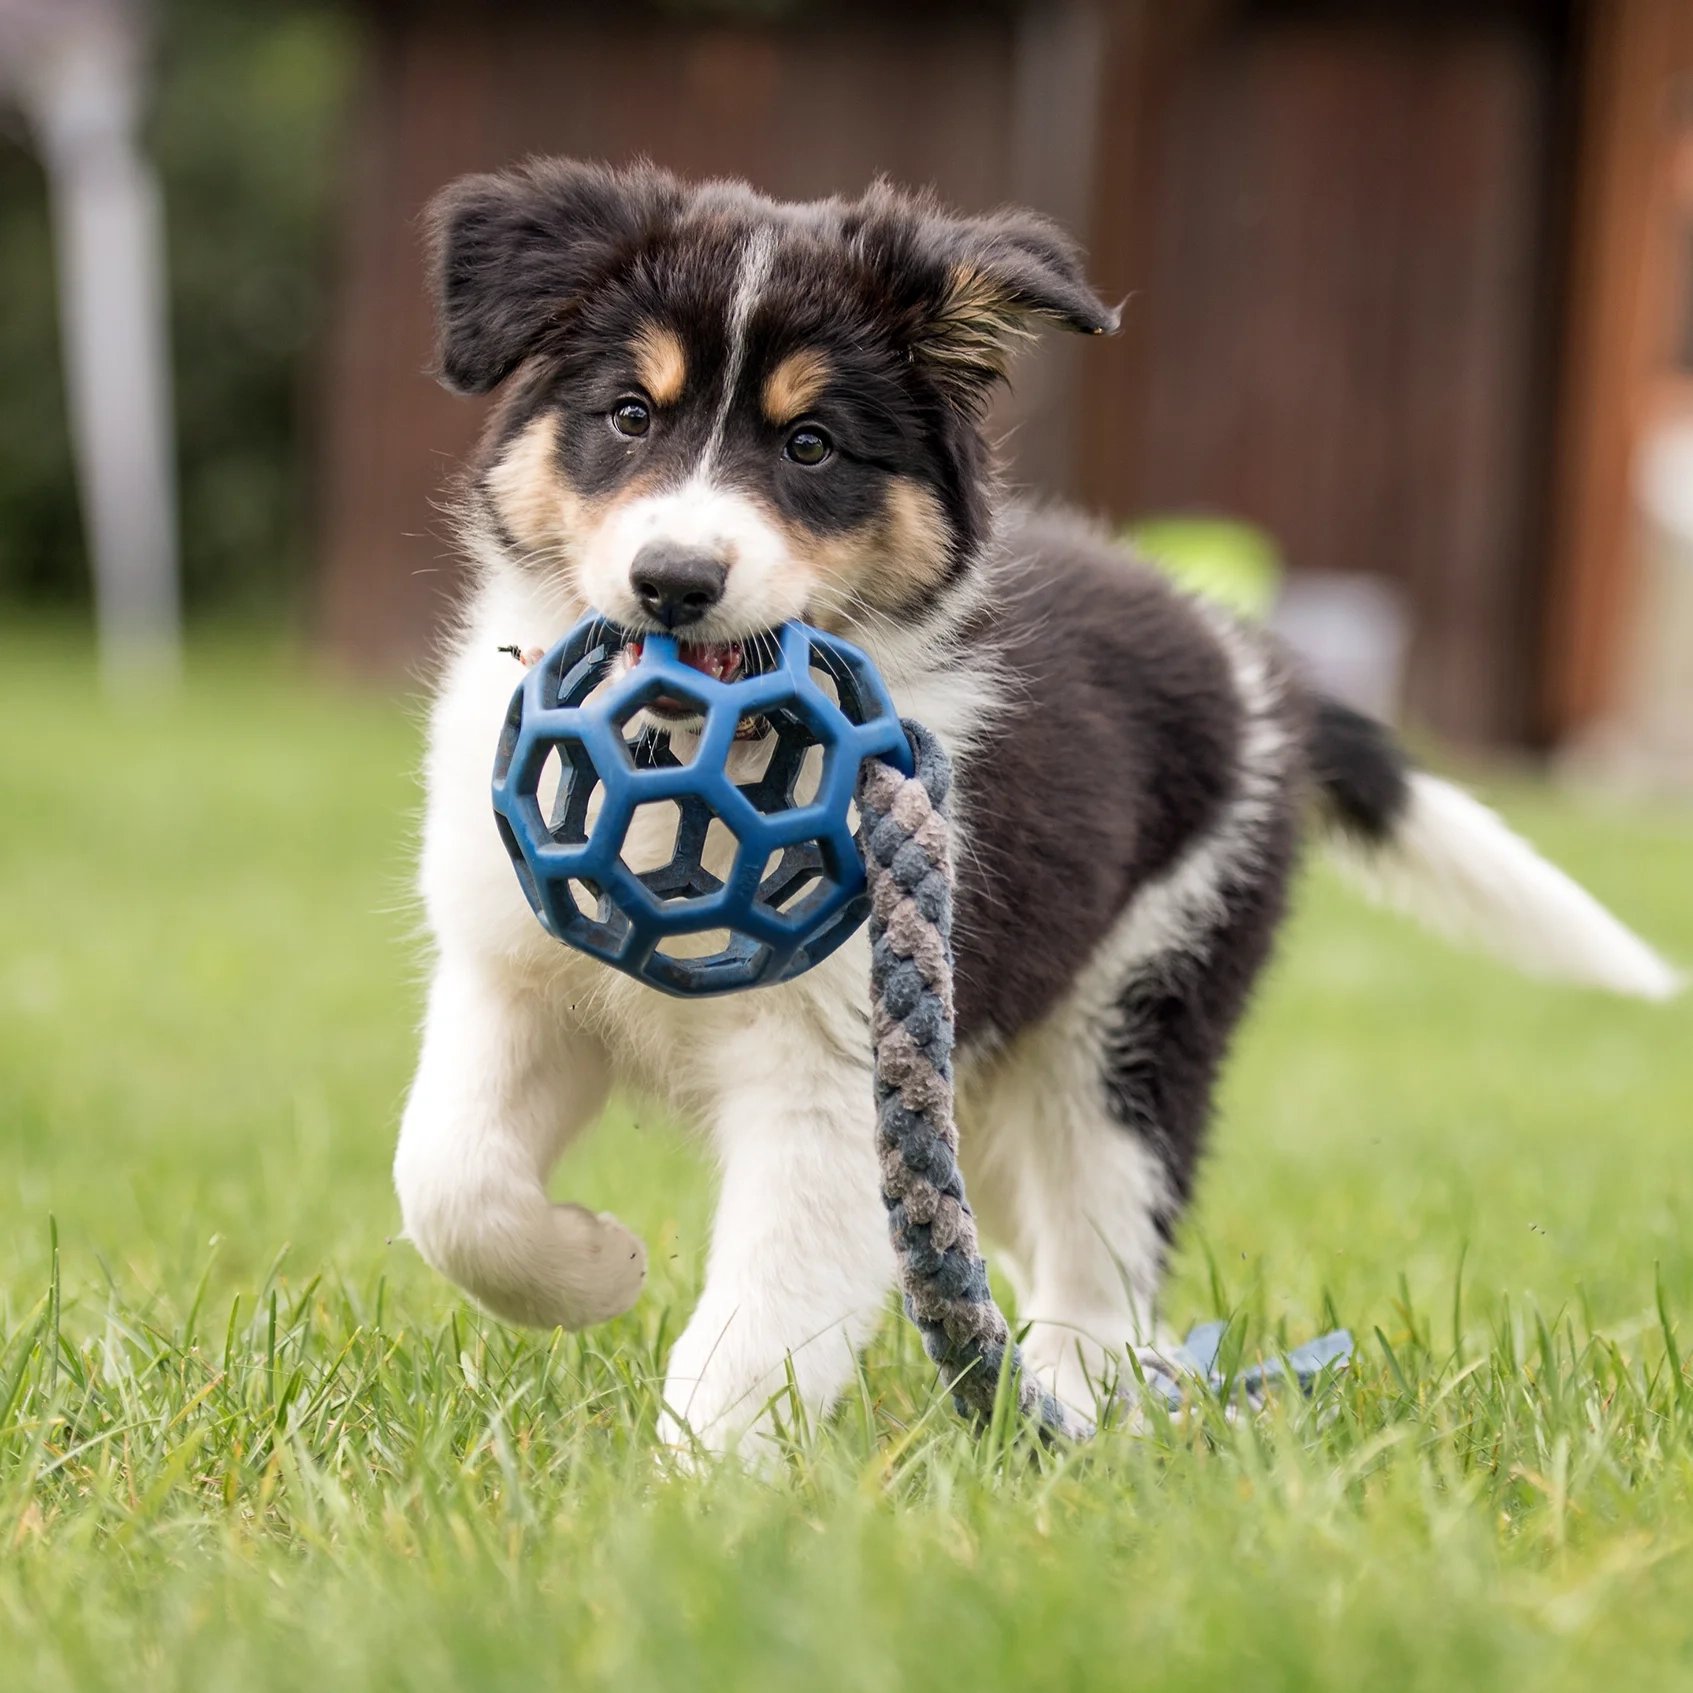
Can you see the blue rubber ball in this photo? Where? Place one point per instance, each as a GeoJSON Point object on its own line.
{"type": "Point", "coordinates": [795, 889]}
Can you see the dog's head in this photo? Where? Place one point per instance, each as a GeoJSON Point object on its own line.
{"type": "Point", "coordinates": [720, 412]}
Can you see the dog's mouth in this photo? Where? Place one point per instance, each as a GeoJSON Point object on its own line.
{"type": "Point", "coordinates": [722, 661]}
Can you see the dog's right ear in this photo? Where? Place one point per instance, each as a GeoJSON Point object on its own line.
{"type": "Point", "coordinates": [511, 253]}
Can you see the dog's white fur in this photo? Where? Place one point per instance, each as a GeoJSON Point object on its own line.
{"type": "Point", "coordinates": [1456, 867]}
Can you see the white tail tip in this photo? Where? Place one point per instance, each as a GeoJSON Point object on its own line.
{"type": "Point", "coordinates": [1457, 868]}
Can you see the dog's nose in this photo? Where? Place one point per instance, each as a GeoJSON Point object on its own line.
{"type": "Point", "coordinates": [676, 584]}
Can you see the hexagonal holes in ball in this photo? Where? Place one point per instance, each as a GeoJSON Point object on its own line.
{"type": "Point", "coordinates": [673, 846]}
{"type": "Point", "coordinates": [788, 763]}
{"type": "Point", "coordinates": [842, 680]}
{"type": "Point", "coordinates": [751, 751]}
{"type": "Point", "coordinates": [546, 789]}
{"type": "Point", "coordinates": [825, 674]}
{"type": "Point", "coordinates": [703, 943]}
{"type": "Point", "coordinates": [654, 745]}
{"type": "Point", "coordinates": [589, 901]}
{"type": "Point", "coordinates": [569, 793]}
{"type": "Point", "coordinates": [650, 842]}
{"type": "Point", "coordinates": [661, 727]}
{"type": "Point", "coordinates": [718, 855]}
{"type": "Point", "coordinates": [789, 875]}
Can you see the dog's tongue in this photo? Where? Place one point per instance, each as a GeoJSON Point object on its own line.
{"type": "Point", "coordinates": [716, 659]}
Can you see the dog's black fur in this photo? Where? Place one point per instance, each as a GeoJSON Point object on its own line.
{"type": "Point", "coordinates": [1120, 751]}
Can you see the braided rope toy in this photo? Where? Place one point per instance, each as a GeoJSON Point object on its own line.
{"type": "Point", "coordinates": [800, 884]}
{"type": "Point", "coordinates": [942, 1272]}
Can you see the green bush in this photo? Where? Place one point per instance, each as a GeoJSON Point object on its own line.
{"type": "Point", "coordinates": [247, 116]}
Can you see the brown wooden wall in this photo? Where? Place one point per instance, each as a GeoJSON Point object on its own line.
{"type": "Point", "coordinates": [971, 98]}
{"type": "Point", "coordinates": [1336, 232]}
{"type": "Point", "coordinates": [1378, 256]}
{"type": "Point", "coordinates": [1629, 279]}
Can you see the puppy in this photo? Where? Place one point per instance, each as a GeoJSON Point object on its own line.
{"type": "Point", "coordinates": [714, 413]}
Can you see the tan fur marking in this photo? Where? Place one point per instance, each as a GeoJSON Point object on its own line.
{"type": "Point", "coordinates": [529, 491]}
{"type": "Point", "coordinates": [660, 363]}
{"type": "Point", "coordinates": [884, 564]}
{"type": "Point", "coordinates": [791, 389]}
{"type": "Point", "coordinates": [977, 326]}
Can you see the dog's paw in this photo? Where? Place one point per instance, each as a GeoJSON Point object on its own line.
{"type": "Point", "coordinates": [727, 1390]}
{"type": "Point", "coordinates": [589, 1269]}
{"type": "Point", "coordinates": [564, 1267]}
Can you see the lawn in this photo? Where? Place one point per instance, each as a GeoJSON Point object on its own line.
{"type": "Point", "coordinates": [248, 1441]}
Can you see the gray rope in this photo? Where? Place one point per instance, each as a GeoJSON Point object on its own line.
{"type": "Point", "coordinates": [942, 1273]}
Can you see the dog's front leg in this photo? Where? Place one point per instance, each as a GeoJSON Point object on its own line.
{"type": "Point", "coordinates": [503, 1084]}
{"type": "Point", "coordinates": [800, 1260]}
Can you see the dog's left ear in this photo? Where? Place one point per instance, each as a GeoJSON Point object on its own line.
{"type": "Point", "coordinates": [1000, 277]}
{"type": "Point", "coordinates": [512, 254]}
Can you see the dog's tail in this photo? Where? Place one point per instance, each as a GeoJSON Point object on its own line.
{"type": "Point", "coordinates": [1425, 847]}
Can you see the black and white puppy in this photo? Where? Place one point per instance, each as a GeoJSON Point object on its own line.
{"type": "Point", "coordinates": [716, 412]}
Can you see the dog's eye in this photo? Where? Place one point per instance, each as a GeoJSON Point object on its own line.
{"type": "Point", "coordinates": [631, 417]}
{"type": "Point", "coordinates": [807, 446]}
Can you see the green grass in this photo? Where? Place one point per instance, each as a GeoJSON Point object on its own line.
{"type": "Point", "coordinates": [247, 1442]}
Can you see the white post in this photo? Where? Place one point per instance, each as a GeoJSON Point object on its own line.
{"type": "Point", "coordinates": [81, 85]}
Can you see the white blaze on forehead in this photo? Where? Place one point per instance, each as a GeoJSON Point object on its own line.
{"type": "Point", "coordinates": [756, 256]}
{"type": "Point", "coordinates": [763, 587]}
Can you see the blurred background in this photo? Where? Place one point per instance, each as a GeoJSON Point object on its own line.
{"type": "Point", "coordinates": [1408, 349]}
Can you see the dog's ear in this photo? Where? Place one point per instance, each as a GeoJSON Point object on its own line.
{"type": "Point", "coordinates": [511, 253]}
{"type": "Point", "coordinates": [996, 280]}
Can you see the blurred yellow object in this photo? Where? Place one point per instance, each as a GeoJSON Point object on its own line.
{"type": "Point", "coordinates": [1233, 563]}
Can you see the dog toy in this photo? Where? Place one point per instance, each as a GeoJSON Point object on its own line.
{"type": "Point", "coordinates": [943, 1275]}
{"type": "Point", "coordinates": [900, 777]}
{"type": "Point", "coordinates": [796, 888]}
